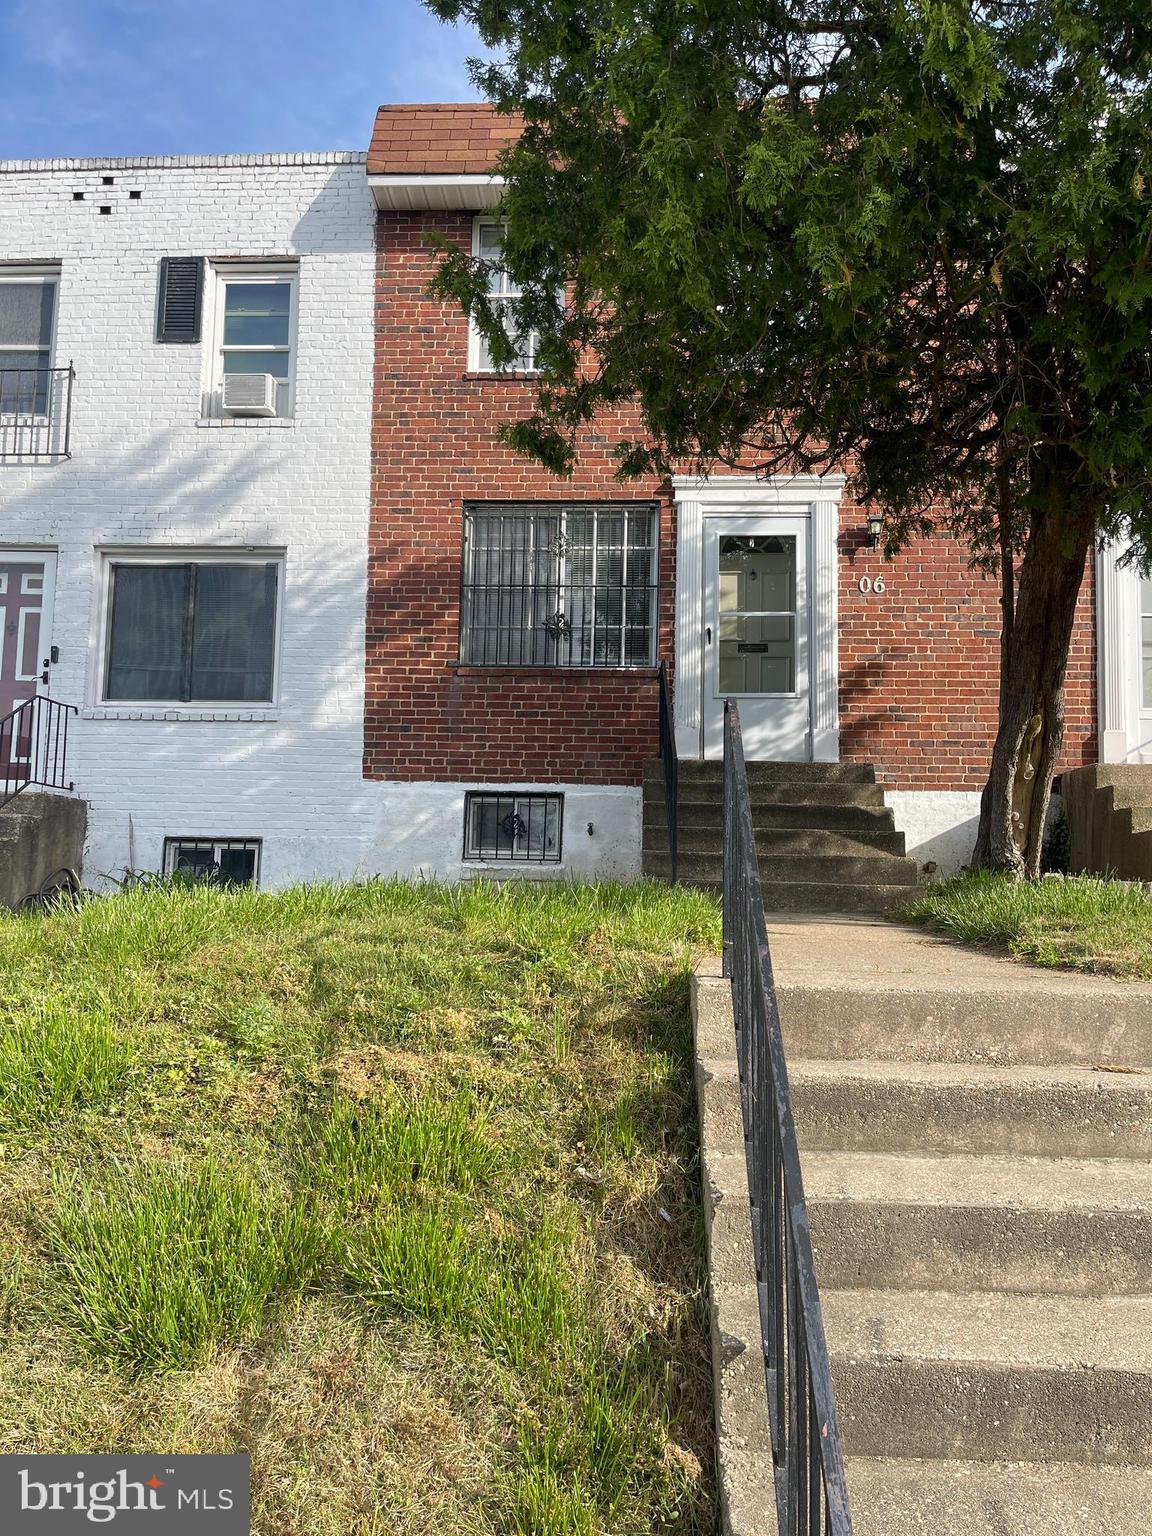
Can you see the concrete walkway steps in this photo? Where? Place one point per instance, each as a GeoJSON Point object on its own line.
{"type": "Point", "coordinates": [975, 1139]}
{"type": "Point", "coordinates": [963, 1498]}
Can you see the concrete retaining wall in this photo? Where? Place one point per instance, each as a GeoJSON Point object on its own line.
{"type": "Point", "coordinates": [38, 835]}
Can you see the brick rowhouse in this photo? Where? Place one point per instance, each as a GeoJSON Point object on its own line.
{"type": "Point", "coordinates": [918, 662]}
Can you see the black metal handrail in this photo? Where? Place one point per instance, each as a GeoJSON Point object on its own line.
{"type": "Point", "coordinates": [36, 412]}
{"type": "Point", "coordinates": [34, 747]}
{"type": "Point", "coordinates": [671, 767]}
{"type": "Point", "coordinates": [811, 1496]}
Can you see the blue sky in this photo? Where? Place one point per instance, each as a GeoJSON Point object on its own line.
{"type": "Point", "coordinates": [122, 77]}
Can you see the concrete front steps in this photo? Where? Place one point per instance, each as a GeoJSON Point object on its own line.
{"type": "Point", "coordinates": [826, 840]}
{"type": "Point", "coordinates": [1109, 808]}
{"type": "Point", "coordinates": [982, 1226]}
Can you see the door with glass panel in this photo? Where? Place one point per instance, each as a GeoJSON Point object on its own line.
{"type": "Point", "coordinates": [27, 580]}
{"type": "Point", "coordinates": [756, 634]}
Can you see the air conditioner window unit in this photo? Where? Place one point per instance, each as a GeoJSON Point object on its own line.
{"type": "Point", "coordinates": [249, 394]}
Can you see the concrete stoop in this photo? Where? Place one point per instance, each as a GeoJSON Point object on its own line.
{"type": "Point", "coordinates": [1109, 809]}
{"type": "Point", "coordinates": [825, 838]}
{"type": "Point", "coordinates": [39, 834]}
{"type": "Point", "coordinates": [982, 1226]}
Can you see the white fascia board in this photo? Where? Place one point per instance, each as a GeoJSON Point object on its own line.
{"type": "Point", "coordinates": [749, 490]}
{"type": "Point", "coordinates": [415, 192]}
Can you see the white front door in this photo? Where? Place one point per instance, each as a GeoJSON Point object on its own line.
{"type": "Point", "coordinates": [756, 634]}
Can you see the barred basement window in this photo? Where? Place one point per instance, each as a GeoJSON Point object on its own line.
{"type": "Point", "coordinates": [559, 584]}
{"type": "Point", "coordinates": [213, 860]}
{"type": "Point", "coordinates": [513, 828]}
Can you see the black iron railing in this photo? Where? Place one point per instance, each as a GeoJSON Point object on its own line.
{"type": "Point", "coordinates": [34, 747]}
{"type": "Point", "coordinates": [811, 1497]}
{"type": "Point", "coordinates": [36, 413]}
{"type": "Point", "coordinates": [671, 766]}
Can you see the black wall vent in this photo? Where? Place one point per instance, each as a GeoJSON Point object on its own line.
{"type": "Point", "coordinates": [178, 309]}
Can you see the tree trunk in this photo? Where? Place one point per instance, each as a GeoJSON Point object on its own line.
{"type": "Point", "coordinates": [1014, 805]}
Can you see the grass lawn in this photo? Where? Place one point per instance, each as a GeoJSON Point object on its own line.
{"type": "Point", "coordinates": [393, 1187]}
{"type": "Point", "coordinates": [1080, 922]}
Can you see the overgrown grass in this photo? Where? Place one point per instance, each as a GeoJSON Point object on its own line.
{"type": "Point", "coordinates": [372, 1182]}
{"type": "Point", "coordinates": [1080, 923]}
{"type": "Point", "coordinates": [152, 1274]}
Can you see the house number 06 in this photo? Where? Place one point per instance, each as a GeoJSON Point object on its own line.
{"type": "Point", "coordinates": [872, 584]}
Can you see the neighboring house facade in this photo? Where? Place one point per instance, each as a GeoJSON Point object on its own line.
{"type": "Point", "coordinates": [185, 404]}
{"type": "Point", "coordinates": [515, 621]}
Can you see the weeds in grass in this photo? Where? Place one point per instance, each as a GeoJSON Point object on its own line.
{"type": "Point", "coordinates": [361, 1152]}
{"type": "Point", "coordinates": [53, 1061]}
{"type": "Point", "coordinates": [514, 1295]}
{"type": "Point", "coordinates": [440, 1124]}
{"type": "Point", "coordinates": [157, 1265]}
{"type": "Point", "coordinates": [1081, 922]}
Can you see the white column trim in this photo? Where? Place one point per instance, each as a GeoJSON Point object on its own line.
{"type": "Point", "coordinates": [688, 683]}
{"type": "Point", "coordinates": [825, 640]}
{"type": "Point", "coordinates": [1111, 683]}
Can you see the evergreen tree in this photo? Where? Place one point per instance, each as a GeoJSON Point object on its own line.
{"type": "Point", "coordinates": [910, 235]}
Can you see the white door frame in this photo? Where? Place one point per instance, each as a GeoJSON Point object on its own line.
{"type": "Point", "coordinates": [815, 498]}
{"type": "Point", "coordinates": [47, 606]}
{"type": "Point", "coordinates": [1125, 726]}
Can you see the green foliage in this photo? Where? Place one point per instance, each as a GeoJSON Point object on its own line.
{"type": "Point", "coordinates": [156, 1265]}
{"type": "Point", "coordinates": [516, 1296]}
{"type": "Point", "coordinates": [369, 1151]}
{"type": "Point", "coordinates": [1057, 844]}
{"type": "Point", "coordinates": [1079, 923]}
{"type": "Point", "coordinates": [367, 1180]}
{"type": "Point", "coordinates": [52, 1062]}
{"type": "Point", "coordinates": [919, 233]}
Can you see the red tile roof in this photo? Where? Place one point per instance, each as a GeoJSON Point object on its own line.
{"type": "Point", "coordinates": [436, 138]}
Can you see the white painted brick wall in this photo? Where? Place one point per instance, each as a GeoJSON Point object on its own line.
{"type": "Point", "coordinates": [143, 473]}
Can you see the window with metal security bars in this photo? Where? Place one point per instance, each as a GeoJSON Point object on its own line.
{"type": "Point", "coordinates": [559, 584]}
{"type": "Point", "coordinates": [213, 860]}
{"type": "Point", "coordinates": [513, 828]}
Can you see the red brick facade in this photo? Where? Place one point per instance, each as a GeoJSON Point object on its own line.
{"type": "Point", "coordinates": [918, 663]}
{"type": "Point", "coordinates": [434, 447]}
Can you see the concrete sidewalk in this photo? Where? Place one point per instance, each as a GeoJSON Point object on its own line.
{"type": "Point", "coordinates": [975, 1137]}
{"type": "Point", "coordinates": [969, 1005]}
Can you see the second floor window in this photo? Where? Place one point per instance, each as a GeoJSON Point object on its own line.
{"type": "Point", "coordinates": [487, 246]}
{"type": "Point", "coordinates": [255, 332]}
{"type": "Point", "coordinates": [559, 584]}
{"type": "Point", "coordinates": [192, 631]}
{"type": "Point", "coordinates": [27, 320]}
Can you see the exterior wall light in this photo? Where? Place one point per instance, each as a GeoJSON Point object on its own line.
{"type": "Point", "coordinates": [875, 530]}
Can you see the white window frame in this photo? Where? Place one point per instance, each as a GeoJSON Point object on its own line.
{"type": "Point", "coordinates": [45, 272]}
{"type": "Point", "coordinates": [475, 340]}
{"type": "Point", "coordinates": [219, 275]}
{"type": "Point", "coordinates": [193, 708]}
{"type": "Point", "coordinates": [172, 846]}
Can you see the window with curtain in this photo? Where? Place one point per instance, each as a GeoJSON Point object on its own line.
{"type": "Point", "coordinates": [192, 632]}
{"type": "Point", "coordinates": [559, 585]}
{"type": "Point", "coordinates": [27, 316]}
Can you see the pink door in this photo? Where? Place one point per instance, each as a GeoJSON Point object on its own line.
{"type": "Point", "coordinates": [25, 617]}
